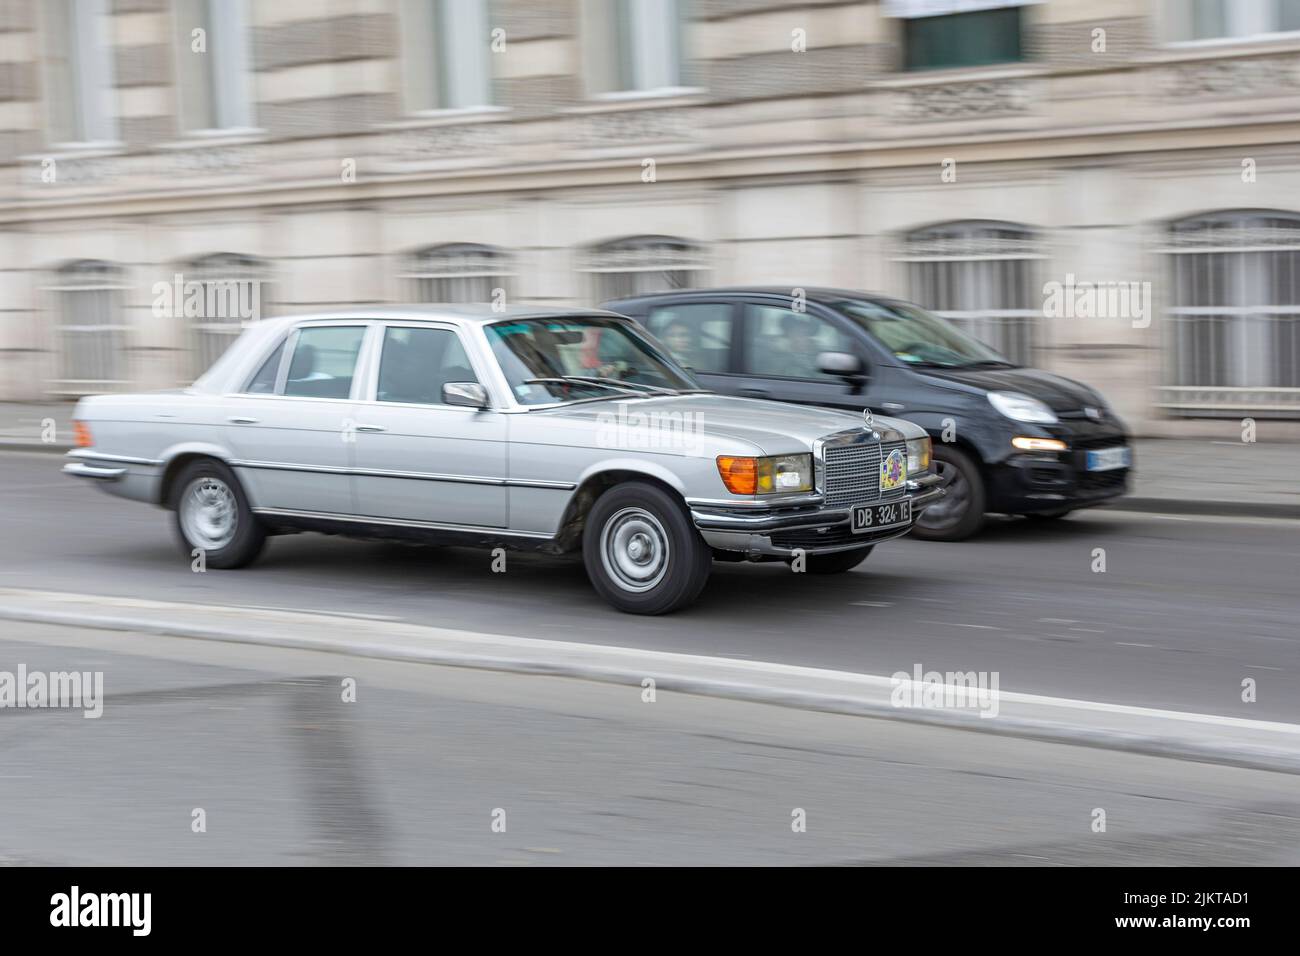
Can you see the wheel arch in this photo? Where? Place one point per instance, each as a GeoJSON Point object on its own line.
{"type": "Point", "coordinates": [175, 460]}
{"type": "Point", "coordinates": [596, 481]}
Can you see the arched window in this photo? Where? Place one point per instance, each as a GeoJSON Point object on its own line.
{"type": "Point", "coordinates": [221, 294]}
{"type": "Point", "coordinates": [1234, 315]}
{"type": "Point", "coordinates": [642, 264]}
{"type": "Point", "coordinates": [91, 328]}
{"type": "Point", "coordinates": [981, 275]}
{"type": "Point", "coordinates": [458, 272]}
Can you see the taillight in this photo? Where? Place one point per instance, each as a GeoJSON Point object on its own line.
{"type": "Point", "coordinates": [81, 435]}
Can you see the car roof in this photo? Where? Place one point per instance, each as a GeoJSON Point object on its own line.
{"type": "Point", "coordinates": [824, 294]}
{"type": "Point", "coordinates": [455, 313]}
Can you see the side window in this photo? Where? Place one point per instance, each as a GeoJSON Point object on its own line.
{"type": "Point", "coordinates": [263, 383]}
{"type": "Point", "coordinates": [785, 344]}
{"type": "Point", "coordinates": [323, 361]}
{"type": "Point", "coordinates": [417, 363]}
{"type": "Point", "coordinates": [698, 334]}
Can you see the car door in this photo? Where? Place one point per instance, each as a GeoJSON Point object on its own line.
{"type": "Point", "coordinates": [701, 334]}
{"type": "Point", "coordinates": [416, 458]}
{"type": "Point", "coordinates": [288, 427]}
{"type": "Point", "coordinates": [778, 357]}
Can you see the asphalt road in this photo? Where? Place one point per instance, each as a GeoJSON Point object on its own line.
{"type": "Point", "coordinates": [1185, 611]}
{"type": "Point", "coordinates": [417, 769]}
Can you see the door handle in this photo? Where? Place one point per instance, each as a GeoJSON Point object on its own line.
{"type": "Point", "coordinates": [371, 428]}
{"type": "Point", "coordinates": [242, 421]}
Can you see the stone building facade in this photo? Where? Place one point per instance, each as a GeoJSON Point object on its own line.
{"type": "Point", "coordinates": [1017, 166]}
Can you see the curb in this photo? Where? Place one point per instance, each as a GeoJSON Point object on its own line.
{"type": "Point", "coordinates": [1260, 745]}
{"type": "Point", "coordinates": [1196, 506]}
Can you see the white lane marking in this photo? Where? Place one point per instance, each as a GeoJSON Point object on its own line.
{"type": "Point", "coordinates": [1262, 667]}
{"type": "Point", "coordinates": [642, 658]}
{"type": "Point", "coordinates": [1056, 620]}
{"type": "Point", "coordinates": [1127, 644]}
{"type": "Point", "coordinates": [982, 627]}
{"type": "Point", "coordinates": [872, 603]}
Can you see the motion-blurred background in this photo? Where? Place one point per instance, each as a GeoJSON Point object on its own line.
{"type": "Point", "coordinates": [961, 153]}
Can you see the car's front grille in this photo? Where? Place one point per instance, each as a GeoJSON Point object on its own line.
{"type": "Point", "coordinates": [851, 472]}
{"type": "Point", "coordinates": [1099, 481]}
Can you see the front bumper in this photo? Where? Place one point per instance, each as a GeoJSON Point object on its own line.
{"type": "Point", "coordinates": [779, 531]}
{"type": "Point", "coordinates": [1029, 483]}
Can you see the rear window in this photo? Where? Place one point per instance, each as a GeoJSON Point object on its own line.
{"type": "Point", "coordinates": [324, 360]}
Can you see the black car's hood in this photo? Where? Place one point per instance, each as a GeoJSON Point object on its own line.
{"type": "Point", "coordinates": [1057, 393]}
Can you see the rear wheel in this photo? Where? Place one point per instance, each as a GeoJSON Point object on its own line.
{"type": "Point", "coordinates": [837, 562]}
{"type": "Point", "coordinates": [213, 515]}
{"type": "Point", "coordinates": [643, 554]}
{"type": "Point", "coordinates": [960, 512]}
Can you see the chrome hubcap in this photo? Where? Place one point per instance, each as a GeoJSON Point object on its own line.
{"type": "Point", "coordinates": [951, 508]}
{"type": "Point", "coordinates": [634, 550]}
{"type": "Point", "coordinates": [209, 513]}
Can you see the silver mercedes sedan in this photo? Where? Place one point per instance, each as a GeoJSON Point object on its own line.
{"type": "Point", "coordinates": [555, 430]}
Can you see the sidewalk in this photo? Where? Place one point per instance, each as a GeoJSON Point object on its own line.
{"type": "Point", "coordinates": [1174, 476]}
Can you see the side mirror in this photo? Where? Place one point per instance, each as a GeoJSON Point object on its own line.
{"type": "Point", "coordinates": [467, 394]}
{"type": "Point", "coordinates": [842, 364]}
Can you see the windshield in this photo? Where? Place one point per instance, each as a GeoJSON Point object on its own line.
{"type": "Point", "coordinates": [917, 337]}
{"type": "Point", "coordinates": [567, 359]}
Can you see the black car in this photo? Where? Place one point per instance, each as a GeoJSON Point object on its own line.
{"type": "Point", "coordinates": [1007, 439]}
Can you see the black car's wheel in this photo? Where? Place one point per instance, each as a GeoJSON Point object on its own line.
{"type": "Point", "coordinates": [642, 552]}
{"type": "Point", "coordinates": [960, 512]}
{"type": "Point", "coordinates": [837, 562]}
{"type": "Point", "coordinates": [213, 516]}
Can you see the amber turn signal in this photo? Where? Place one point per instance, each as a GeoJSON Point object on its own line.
{"type": "Point", "coordinates": [740, 475]}
{"type": "Point", "coordinates": [81, 435]}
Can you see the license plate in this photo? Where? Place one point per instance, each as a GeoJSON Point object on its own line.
{"type": "Point", "coordinates": [872, 517]}
{"type": "Point", "coordinates": [1108, 459]}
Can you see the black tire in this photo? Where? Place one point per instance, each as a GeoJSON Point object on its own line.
{"type": "Point", "coordinates": [960, 513]}
{"type": "Point", "coordinates": [202, 481]}
{"type": "Point", "coordinates": [639, 519]}
{"type": "Point", "coordinates": [837, 562]}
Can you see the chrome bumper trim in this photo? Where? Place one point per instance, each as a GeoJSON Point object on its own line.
{"type": "Point", "coordinates": [80, 469]}
{"type": "Point", "coordinates": [924, 492]}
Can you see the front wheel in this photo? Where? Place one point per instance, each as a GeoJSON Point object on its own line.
{"type": "Point", "coordinates": [960, 512]}
{"type": "Point", "coordinates": [213, 516]}
{"type": "Point", "coordinates": [642, 553]}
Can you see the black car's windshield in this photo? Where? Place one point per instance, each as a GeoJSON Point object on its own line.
{"type": "Point", "coordinates": [566, 359]}
{"type": "Point", "coordinates": [918, 338]}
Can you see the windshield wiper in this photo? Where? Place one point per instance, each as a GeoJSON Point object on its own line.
{"type": "Point", "coordinates": [612, 384]}
{"type": "Point", "coordinates": [622, 384]}
{"type": "Point", "coordinates": [989, 363]}
{"type": "Point", "coordinates": [636, 388]}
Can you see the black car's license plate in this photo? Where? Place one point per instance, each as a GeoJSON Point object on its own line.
{"type": "Point", "coordinates": [874, 517]}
